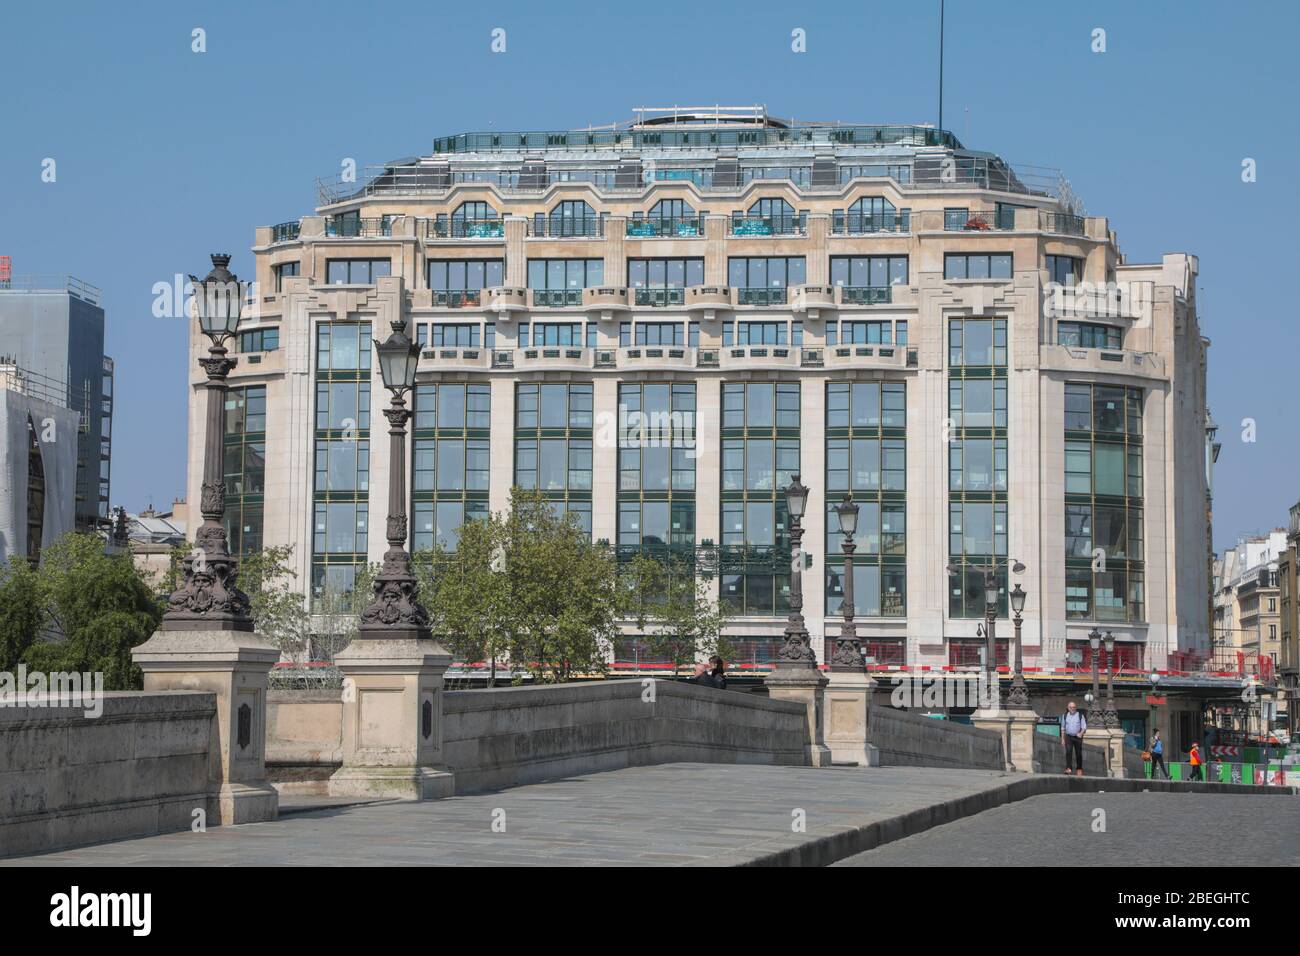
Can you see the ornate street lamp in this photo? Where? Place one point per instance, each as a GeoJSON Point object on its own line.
{"type": "Point", "coordinates": [396, 612]}
{"type": "Point", "coordinates": [1095, 716]}
{"type": "Point", "coordinates": [990, 645]}
{"type": "Point", "coordinates": [848, 652]}
{"type": "Point", "coordinates": [209, 598]}
{"type": "Point", "coordinates": [1018, 695]}
{"type": "Point", "coordinates": [796, 651]}
{"type": "Point", "coordinates": [1110, 715]}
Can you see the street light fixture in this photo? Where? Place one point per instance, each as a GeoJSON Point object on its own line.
{"type": "Point", "coordinates": [396, 611]}
{"type": "Point", "coordinates": [848, 652]}
{"type": "Point", "coordinates": [797, 650]}
{"type": "Point", "coordinates": [1095, 716]}
{"type": "Point", "coordinates": [1110, 715]}
{"type": "Point", "coordinates": [209, 598]}
{"type": "Point", "coordinates": [1018, 695]}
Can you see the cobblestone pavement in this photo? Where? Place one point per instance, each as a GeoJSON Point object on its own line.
{"type": "Point", "coordinates": [674, 814]}
{"type": "Point", "coordinates": [1142, 829]}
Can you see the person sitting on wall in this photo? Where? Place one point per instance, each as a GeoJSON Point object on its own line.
{"type": "Point", "coordinates": [702, 675]}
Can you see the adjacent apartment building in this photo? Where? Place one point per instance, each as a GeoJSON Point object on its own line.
{"type": "Point", "coordinates": [659, 323]}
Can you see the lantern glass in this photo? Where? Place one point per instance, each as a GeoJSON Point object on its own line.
{"type": "Point", "coordinates": [218, 300]}
{"type": "Point", "coordinates": [1094, 639]}
{"type": "Point", "coordinates": [847, 513]}
{"type": "Point", "coordinates": [796, 498]}
{"type": "Point", "coordinates": [1017, 599]}
{"type": "Point", "coordinates": [398, 357]}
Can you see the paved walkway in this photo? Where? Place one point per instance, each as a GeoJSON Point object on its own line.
{"type": "Point", "coordinates": [669, 815]}
{"type": "Point", "coordinates": [1142, 829]}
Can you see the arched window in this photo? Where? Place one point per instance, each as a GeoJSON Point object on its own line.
{"type": "Point", "coordinates": [667, 217]}
{"type": "Point", "coordinates": [767, 217]}
{"type": "Point", "coordinates": [475, 219]}
{"type": "Point", "coordinates": [872, 214]}
{"type": "Point", "coordinates": [35, 494]}
{"type": "Point", "coordinates": [670, 209]}
{"type": "Point", "coordinates": [573, 217]}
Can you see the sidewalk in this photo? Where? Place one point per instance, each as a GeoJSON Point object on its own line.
{"type": "Point", "coordinates": [668, 815]}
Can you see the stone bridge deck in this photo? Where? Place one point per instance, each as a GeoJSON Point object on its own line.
{"type": "Point", "coordinates": [668, 815]}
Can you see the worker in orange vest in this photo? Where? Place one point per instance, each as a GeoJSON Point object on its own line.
{"type": "Point", "coordinates": [1194, 758]}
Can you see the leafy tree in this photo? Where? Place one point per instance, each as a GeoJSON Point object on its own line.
{"type": "Point", "coordinates": [99, 606]}
{"type": "Point", "coordinates": [673, 609]}
{"type": "Point", "coordinates": [467, 595]}
{"type": "Point", "coordinates": [529, 582]}
{"type": "Point", "coordinates": [20, 611]}
{"type": "Point", "coordinates": [279, 612]}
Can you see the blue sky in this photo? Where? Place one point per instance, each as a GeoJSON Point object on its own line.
{"type": "Point", "coordinates": [165, 155]}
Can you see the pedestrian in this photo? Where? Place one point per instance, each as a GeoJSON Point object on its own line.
{"type": "Point", "coordinates": [718, 672]}
{"type": "Point", "coordinates": [1157, 749]}
{"type": "Point", "coordinates": [702, 675]}
{"type": "Point", "coordinates": [1073, 726]}
{"type": "Point", "coordinates": [1194, 758]}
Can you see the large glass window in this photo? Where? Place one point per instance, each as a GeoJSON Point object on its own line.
{"type": "Point", "coordinates": [1064, 270]}
{"type": "Point", "coordinates": [978, 468]}
{"type": "Point", "coordinates": [1088, 335]}
{"type": "Point", "coordinates": [764, 280]}
{"type": "Point", "coordinates": [342, 456]}
{"type": "Point", "coordinates": [559, 282]}
{"type": "Point", "coordinates": [1104, 561]}
{"type": "Point", "coordinates": [866, 457]}
{"type": "Point", "coordinates": [656, 467]}
{"type": "Point", "coordinates": [960, 265]}
{"type": "Point", "coordinates": [449, 468]}
{"type": "Point", "coordinates": [861, 272]}
{"type": "Point", "coordinates": [760, 456]}
{"type": "Point", "coordinates": [356, 271]}
{"type": "Point", "coordinates": [244, 467]}
{"type": "Point", "coordinates": [870, 214]}
{"type": "Point", "coordinates": [463, 275]}
{"type": "Point", "coordinates": [553, 443]}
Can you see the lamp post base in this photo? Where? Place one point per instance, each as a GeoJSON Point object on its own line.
{"type": "Point", "coordinates": [806, 685]}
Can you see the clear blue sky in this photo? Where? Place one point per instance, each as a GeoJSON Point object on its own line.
{"type": "Point", "coordinates": [165, 155]}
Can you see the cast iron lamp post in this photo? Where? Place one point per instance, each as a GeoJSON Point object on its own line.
{"type": "Point", "coordinates": [848, 652]}
{"type": "Point", "coordinates": [1110, 715]}
{"type": "Point", "coordinates": [1095, 716]}
{"type": "Point", "coordinates": [796, 651]}
{"type": "Point", "coordinates": [396, 612]}
{"type": "Point", "coordinates": [209, 598]}
{"type": "Point", "coordinates": [1018, 695]}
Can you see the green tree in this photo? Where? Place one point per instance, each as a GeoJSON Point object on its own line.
{"type": "Point", "coordinates": [20, 611]}
{"type": "Point", "coordinates": [98, 605]}
{"type": "Point", "coordinates": [673, 609]}
{"type": "Point", "coordinates": [467, 595]}
{"type": "Point", "coordinates": [279, 611]}
{"type": "Point", "coordinates": [529, 583]}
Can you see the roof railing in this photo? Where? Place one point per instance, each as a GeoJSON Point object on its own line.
{"type": "Point", "coordinates": [53, 283]}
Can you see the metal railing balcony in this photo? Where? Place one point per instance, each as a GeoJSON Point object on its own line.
{"type": "Point", "coordinates": [556, 298]}
{"type": "Point", "coordinates": [1061, 223]}
{"type": "Point", "coordinates": [285, 231]}
{"type": "Point", "coordinates": [859, 224]}
{"type": "Point", "coordinates": [350, 228]}
{"type": "Point", "coordinates": [866, 294]}
{"type": "Point", "coordinates": [464, 229]}
{"type": "Point", "coordinates": [563, 227]}
{"type": "Point", "coordinates": [762, 296]}
{"type": "Point", "coordinates": [744, 224]}
{"type": "Point", "coordinates": [978, 220]}
{"type": "Point", "coordinates": [660, 298]}
{"type": "Point", "coordinates": [457, 298]}
{"type": "Point", "coordinates": [656, 227]}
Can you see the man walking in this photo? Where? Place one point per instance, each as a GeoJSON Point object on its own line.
{"type": "Point", "coordinates": [1073, 725]}
{"type": "Point", "coordinates": [1158, 756]}
{"type": "Point", "coordinates": [1194, 758]}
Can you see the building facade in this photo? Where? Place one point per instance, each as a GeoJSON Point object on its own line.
{"type": "Point", "coordinates": [52, 328]}
{"type": "Point", "coordinates": [659, 324]}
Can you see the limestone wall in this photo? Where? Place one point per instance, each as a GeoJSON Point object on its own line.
{"type": "Point", "coordinates": [1049, 756]}
{"type": "Point", "coordinates": [518, 735]}
{"type": "Point", "coordinates": [141, 767]}
{"type": "Point", "coordinates": [905, 739]}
